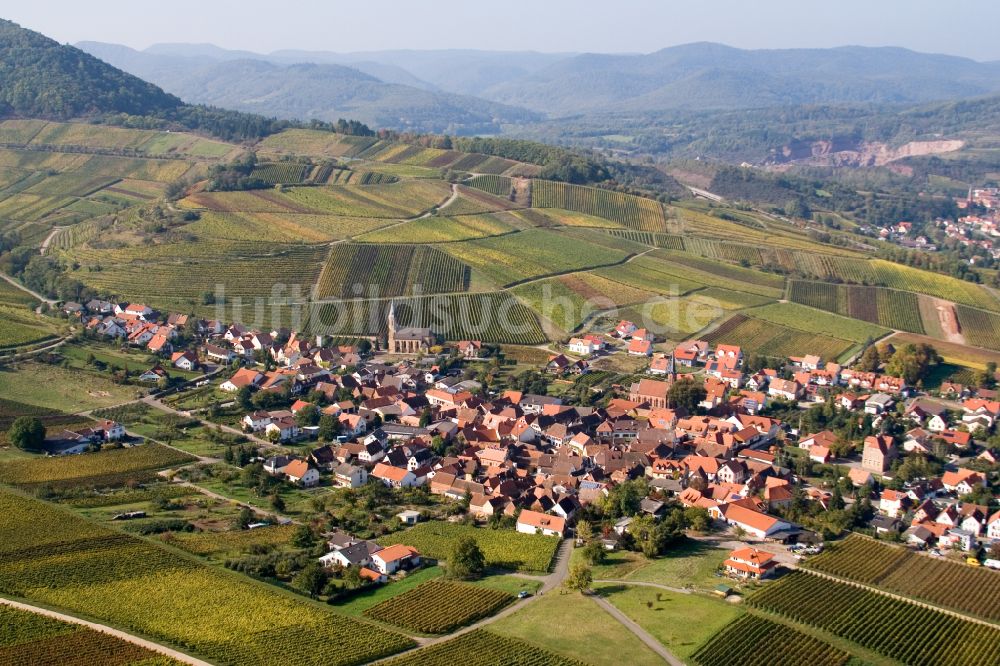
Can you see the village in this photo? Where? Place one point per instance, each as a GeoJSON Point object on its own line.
{"type": "Point", "coordinates": [697, 429]}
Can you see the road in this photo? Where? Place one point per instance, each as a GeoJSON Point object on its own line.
{"type": "Point", "coordinates": [104, 629]}
{"type": "Point", "coordinates": [48, 239]}
{"type": "Point", "coordinates": [34, 294]}
{"type": "Point", "coordinates": [155, 403]}
{"type": "Point", "coordinates": [639, 632]}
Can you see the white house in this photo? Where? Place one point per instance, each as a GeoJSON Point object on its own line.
{"type": "Point", "coordinates": [533, 522]}
{"type": "Point", "coordinates": [350, 476]}
{"type": "Point", "coordinates": [393, 558]}
{"type": "Point", "coordinates": [299, 471]}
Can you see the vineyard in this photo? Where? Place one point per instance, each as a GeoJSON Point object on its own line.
{"type": "Point", "coordinates": [502, 548]}
{"type": "Point", "coordinates": [132, 583]}
{"type": "Point", "coordinates": [880, 623]}
{"type": "Point", "coordinates": [472, 202]}
{"type": "Point", "coordinates": [802, 318]}
{"type": "Point", "coordinates": [887, 307]}
{"type": "Point", "coordinates": [214, 543]}
{"type": "Point", "coordinates": [445, 229]}
{"type": "Point", "coordinates": [439, 607]}
{"type": "Point", "coordinates": [281, 228]}
{"type": "Point", "coordinates": [495, 185]}
{"type": "Point", "coordinates": [981, 329]}
{"type": "Point", "coordinates": [482, 648]}
{"type": "Point", "coordinates": [372, 271]}
{"type": "Point", "coordinates": [626, 209]}
{"type": "Point", "coordinates": [491, 317]}
{"type": "Point", "coordinates": [116, 467]}
{"type": "Point", "coordinates": [19, 327]}
{"type": "Point", "coordinates": [29, 638]}
{"type": "Point", "coordinates": [287, 173]}
{"type": "Point", "coordinates": [754, 640]}
{"type": "Point", "coordinates": [898, 570]}
{"type": "Point", "coordinates": [768, 339]}
{"type": "Point", "coordinates": [533, 253]}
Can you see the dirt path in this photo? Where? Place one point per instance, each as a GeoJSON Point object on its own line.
{"type": "Point", "coordinates": [33, 293]}
{"type": "Point", "coordinates": [104, 629]}
{"type": "Point", "coordinates": [642, 583]}
{"type": "Point", "coordinates": [522, 192]}
{"type": "Point", "coordinates": [48, 239]}
{"type": "Point", "coordinates": [639, 632]}
{"type": "Point", "coordinates": [948, 320]}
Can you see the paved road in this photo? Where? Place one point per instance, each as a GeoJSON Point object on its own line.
{"type": "Point", "coordinates": [117, 633]}
{"type": "Point", "coordinates": [639, 632]}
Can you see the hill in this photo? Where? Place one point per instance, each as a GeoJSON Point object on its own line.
{"type": "Point", "coordinates": [383, 95]}
{"type": "Point", "coordinates": [41, 78]}
{"type": "Point", "coordinates": [706, 75]}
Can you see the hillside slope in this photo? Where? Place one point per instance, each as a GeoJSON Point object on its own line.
{"type": "Point", "coordinates": [41, 78]}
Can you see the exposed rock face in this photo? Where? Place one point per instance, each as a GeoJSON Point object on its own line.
{"type": "Point", "coordinates": [847, 152]}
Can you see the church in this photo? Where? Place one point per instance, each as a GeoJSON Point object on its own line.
{"type": "Point", "coordinates": [408, 340]}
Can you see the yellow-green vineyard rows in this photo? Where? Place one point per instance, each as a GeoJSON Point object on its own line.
{"type": "Point", "coordinates": [944, 583]}
{"type": "Point", "coordinates": [495, 317]}
{"type": "Point", "coordinates": [981, 329]}
{"type": "Point", "coordinates": [482, 648]}
{"type": "Point", "coordinates": [501, 548]}
{"type": "Point", "coordinates": [631, 211]}
{"type": "Point", "coordinates": [438, 607]}
{"type": "Point", "coordinates": [378, 271]}
{"type": "Point", "coordinates": [106, 468]}
{"type": "Point", "coordinates": [755, 640]}
{"type": "Point", "coordinates": [888, 307]}
{"type": "Point", "coordinates": [497, 185]}
{"type": "Point", "coordinates": [880, 623]}
{"type": "Point", "coordinates": [121, 580]}
{"type": "Point", "coordinates": [30, 638]}
{"type": "Point", "coordinates": [769, 339]}
{"type": "Point", "coordinates": [446, 229]}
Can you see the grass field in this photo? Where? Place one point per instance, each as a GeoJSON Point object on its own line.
{"type": "Point", "coordinates": [502, 548]}
{"type": "Point", "coordinates": [222, 543]}
{"type": "Point", "coordinates": [85, 568]}
{"type": "Point", "coordinates": [59, 388]}
{"type": "Point", "coordinates": [951, 352]}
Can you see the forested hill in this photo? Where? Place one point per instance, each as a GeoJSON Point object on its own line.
{"type": "Point", "coordinates": [44, 79]}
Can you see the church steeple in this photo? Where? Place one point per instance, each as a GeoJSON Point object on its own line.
{"type": "Point", "coordinates": [392, 316]}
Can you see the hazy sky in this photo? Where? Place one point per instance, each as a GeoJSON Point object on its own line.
{"type": "Point", "coordinates": [960, 27]}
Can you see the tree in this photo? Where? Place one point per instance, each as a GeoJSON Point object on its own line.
{"type": "Point", "coordinates": [27, 433]}
{"type": "Point", "coordinates": [580, 578]}
{"type": "Point", "coordinates": [303, 537]}
{"type": "Point", "coordinates": [244, 518]}
{"type": "Point", "coordinates": [466, 561]}
{"type": "Point", "coordinates": [912, 361]}
{"type": "Point", "coordinates": [624, 499]}
{"type": "Point", "coordinates": [277, 503]}
{"type": "Point", "coordinates": [312, 579]}
{"type": "Point", "coordinates": [594, 553]}
{"type": "Point", "coordinates": [307, 416]}
{"type": "Point", "coordinates": [425, 417]}
{"type": "Point", "coordinates": [686, 393]}
{"type": "Point", "coordinates": [244, 398]}
{"type": "Point", "coordinates": [329, 427]}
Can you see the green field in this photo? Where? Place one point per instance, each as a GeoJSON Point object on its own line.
{"type": "Point", "coordinates": [115, 467]}
{"type": "Point", "coordinates": [981, 329]}
{"type": "Point", "coordinates": [439, 607]}
{"type": "Point", "coordinates": [353, 271]}
{"type": "Point", "coordinates": [85, 568]}
{"type": "Point", "coordinates": [768, 339]}
{"type": "Point", "coordinates": [810, 320]}
{"type": "Point", "coordinates": [445, 229]}
{"type": "Point", "coordinates": [502, 548]}
{"type": "Point", "coordinates": [628, 210]}
{"type": "Point", "coordinates": [60, 388]}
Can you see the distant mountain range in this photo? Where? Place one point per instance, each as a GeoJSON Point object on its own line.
{"type": "Point", "coordinates": [438, 83]}
{"type": "Point", "coordinates": [377, 93]}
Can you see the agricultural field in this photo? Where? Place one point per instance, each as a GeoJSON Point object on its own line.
{"type": "Point", "coordinates": [439, 607]}
{"type": "Point", "coordinates": [436, 229]}
{"type": "Point", "coordinates": [807, 319]}
{"type": "Point", "coordinates": [732, 276]}
{"type": "Point", "coordinates": [54, 387]}
{"type": "Point", "coordinates": [767, 339]}
{"type": "Point", "coordinates": [981, 329]}
{"type": "Point", "coordinates": [513, 258]}
{"type": "Point", "coordinates": [377, 271]}
{"type": "Point", "coordinates": [951, 352]}
{"type": "Point", "coordinates": [115, 467]}
{"type": "Point", "coordinates": [878, 622]}
{"type": "Point", "coordinates": [890, 308]}
{"type": "Point", "coordinates": [274, 173]}
{"type": "Point", "coordinates": [754, 639]}
{"type": "Point", "coordinates": [151, 142]}
{"type": "Point", "coordinates": [20, 327]}
{"type": "Point", "coordinates": [647, 273]}
{"type": "Point", "coordinates": [496, 185]}
{"type": "Point", "coordinates": [282, 227]}
{"type": "Point", "coordinates": [482, 648]}
{"type": "Point", "coordinates": [316, 142]}
{"type": "Point", "coordinates": [491, 317]}
{"type": "Point", "coordinates": [217, 544]}
{"type": "Point", "coordinates": [471, 201]}
{"type": "Point", "coordinates": [505, 549]}
{"type": "Point", "coordinates": [27, 637]}
{"type": "Point", "coordinates": [630, 211]}
{"type": "Point", "coordinates": [948, 584]}
{"type": "Point", "coordinates": [85, 568]}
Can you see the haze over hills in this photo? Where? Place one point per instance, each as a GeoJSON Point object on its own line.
{"type": "Point", "coordinates": [307, 90]}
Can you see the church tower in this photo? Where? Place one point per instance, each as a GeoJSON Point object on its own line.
{"type": "Point", "coordinates": [392, 327]}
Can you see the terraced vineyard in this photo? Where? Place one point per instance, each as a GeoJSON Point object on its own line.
{"type": "Point", "coordinates": [439, 607]}
{"type": "Point", "coordinates": [937, 581]}
{"type": "Point", "coordinates": [491, 317]}
{"type": "Point", "coordinates": [482, 648]}
{"type": "Point", "coordinates": [880, 623]}
{"type": "Point", "coordinates": [888, 307]}
{"type": "Point", "coordinates": [768, 339]}
{"type": "Point", "coordinates": [752, 639]}
{"type": "Point", "coordinates": [372, 271]}
{"type": "Point", "coordinates": [628, 210]}
{"type": "Point", "coordinates": [116, 467]}
{"type": "Point", "coordinates": [505, 549]}
{"type": "Point", "coordinates": [132, 583]}
{"type": "Point", "coordinates": [30, 638]}
{"type": "Point", "coordinates": [533, 253]}
{"type": "Point", "coordinates": [981, 329]}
